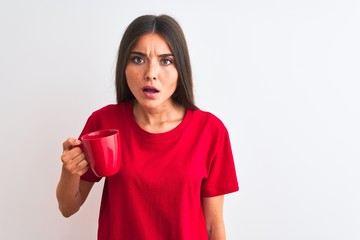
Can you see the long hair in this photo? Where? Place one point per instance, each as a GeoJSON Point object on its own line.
{"type": "Point", "coordinates": [170, 30]}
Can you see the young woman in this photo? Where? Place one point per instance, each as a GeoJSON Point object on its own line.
{"type": "Point", "coordinates": [177, 162]}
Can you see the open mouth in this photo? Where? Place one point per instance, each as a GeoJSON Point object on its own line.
{"type": "Point", "coordinates": [150, 92]}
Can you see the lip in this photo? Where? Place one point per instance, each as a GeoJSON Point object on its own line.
{"type": "Point", "coordinates": [150, 91]}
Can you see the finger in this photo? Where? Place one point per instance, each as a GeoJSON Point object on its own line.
{"type": "Point", "coordinates": [76, 166]}
{"type": "Point", "coordinates": [81, 167]}
{"type": "Point", "coordinates": [78, 171]}
{"type": "Point", "coordinates": [70, 143]}
{"type": "Point", "coordinates": [80, 159]}
{"type": "Point", "coordinates": [69, 156]}
{"type": "Point", "coordinates": [82, 164]}
{"type": "Point", "coordinates": [82, 171]}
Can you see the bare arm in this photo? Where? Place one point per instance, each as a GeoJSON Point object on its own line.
{"type": "Point", "coordinates": [71, 191]}
{"type": "Point", "coordinates": [213, 212]}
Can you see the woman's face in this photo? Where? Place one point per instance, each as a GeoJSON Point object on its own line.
{"type": "Point", "coordinates": [151, 73]}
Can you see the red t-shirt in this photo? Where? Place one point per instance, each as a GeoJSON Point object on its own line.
{"type": "Point", "coordinates": [157, 192]}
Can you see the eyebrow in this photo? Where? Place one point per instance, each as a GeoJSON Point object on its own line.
{"type": "Point", "coordinates": [161, 55]}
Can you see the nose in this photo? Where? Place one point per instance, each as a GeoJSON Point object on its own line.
{"type": "Point", "coordinates": [151, 72]}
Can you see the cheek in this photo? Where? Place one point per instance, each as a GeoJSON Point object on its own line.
{"type": "Point", "coordinates": [128, 73]}
{"type": "Point", "coordinates": [129, 76]}
{"type": "Point", "coordinates": [172, 76]}
{"type": "Point", "coordinates": [175, 79]}
{"type": "Point", "coordinates": [132, 75]}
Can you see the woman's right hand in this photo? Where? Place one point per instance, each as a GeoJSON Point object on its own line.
{"type": "Point", "coordinates": [73, 158]}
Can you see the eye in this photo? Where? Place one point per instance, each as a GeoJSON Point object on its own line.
{"type": "Point", "coordinates": [167, 61]}
{"type": "Point", "coordinates": [137, 60]}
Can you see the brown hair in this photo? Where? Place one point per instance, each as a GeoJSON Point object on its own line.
{"type": "Point", "coordinates": [171, 31]}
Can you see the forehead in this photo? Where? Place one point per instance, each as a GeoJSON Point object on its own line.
{"type": "Point", "coordinates": [152, 42]}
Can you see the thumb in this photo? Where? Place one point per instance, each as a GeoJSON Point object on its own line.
{"type": "Point", "coordinates": [71, 143]}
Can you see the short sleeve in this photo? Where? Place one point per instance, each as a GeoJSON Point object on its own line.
{"type": "Point", "coordinates": [90, 126]}
{"type": "Point", "coordinates": [221, 174]}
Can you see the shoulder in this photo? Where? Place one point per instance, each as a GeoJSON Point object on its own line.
{"type": "Point", "coordinates": [111, 109]}
{"type": "Point", "coordinates": [208, 119]}
{"type": "Point", "coordinates": [110, 115]}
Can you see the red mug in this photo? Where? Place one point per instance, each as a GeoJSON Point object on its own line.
{"type": "Point", "coordinates": [102, 151]}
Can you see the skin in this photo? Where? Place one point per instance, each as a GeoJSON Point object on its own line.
{"type": "Point", "coordinates": [151, 65]}
{"type": "Point", "coordinates": [71, 192]}
{"type": "Point", "coordinates": [152, 78]}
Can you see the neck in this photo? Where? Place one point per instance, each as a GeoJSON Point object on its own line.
{"type": "Point", "coordinates": [158, 120]}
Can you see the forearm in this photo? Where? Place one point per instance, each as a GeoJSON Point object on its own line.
{"type": "Point", "coordinates": [68, 193]}
{"type": "Point", "coordinates": [217, 232]}
{"type": "Point", "coordinates": [213, 213]}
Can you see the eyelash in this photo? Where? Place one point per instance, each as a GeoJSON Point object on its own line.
{"type": "Point", "coordinates": [140, 60]}
{"type": "Point", "coordinates": [136, 60]}
{"type": "Point", "coordinates": [169, 60]}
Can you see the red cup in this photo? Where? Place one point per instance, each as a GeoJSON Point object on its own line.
{"type": "Point", "coordinates": [102, 151]}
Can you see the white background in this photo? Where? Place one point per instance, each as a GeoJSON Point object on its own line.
{"type": "Point", "coordinates": [282, 75]}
